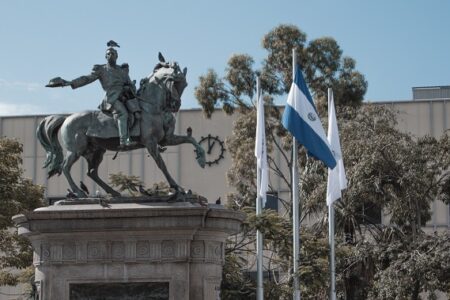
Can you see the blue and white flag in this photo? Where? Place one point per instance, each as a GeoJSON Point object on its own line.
{"type": "Point", "coordinates": [261, 150]}
{"type": "Point", "coordinates": [337, 181]}
{"type": "Point", "coordinates": [300, 118]}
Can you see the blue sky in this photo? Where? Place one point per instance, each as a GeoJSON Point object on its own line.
{"type": "Point", "coordinates": [397, 44]}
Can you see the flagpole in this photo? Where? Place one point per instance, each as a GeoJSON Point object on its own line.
{"type": "Point", "coordinates": [331, 230]}
{"type": "Point", "coordinates": [259, 238]}
{"type": "Point", "coordinates": [300, 118]}
{"type": "Point", "coordinates": [337, 182]}
{"type": "Point", "coordinates": [332, 254]}
{"type": "Point", "coordinates": [295, 203]}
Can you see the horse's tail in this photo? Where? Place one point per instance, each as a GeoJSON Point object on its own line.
{"type": "Point", "coordinates": [47, 134]}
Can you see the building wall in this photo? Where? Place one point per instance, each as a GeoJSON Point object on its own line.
{"type": "Point", "coordinates": [180, 160]}
{"type": "Point", "coordinates": [418, 117]}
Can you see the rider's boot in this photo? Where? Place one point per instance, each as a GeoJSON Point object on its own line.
{"type": "Point", "coordinates": [124, 137]}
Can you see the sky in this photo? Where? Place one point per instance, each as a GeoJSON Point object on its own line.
{"type": "Point", "coordinates": [397, 44]}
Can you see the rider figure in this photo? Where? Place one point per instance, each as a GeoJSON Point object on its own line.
{"type": "Point", "coordinates": [116, 83]}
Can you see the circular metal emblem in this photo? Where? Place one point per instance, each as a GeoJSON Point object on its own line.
{"type": "Point", "coordinates": [312, 117]}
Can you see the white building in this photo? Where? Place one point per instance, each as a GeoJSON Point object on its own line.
{"type": "Point", "coordinates": [428, 113]}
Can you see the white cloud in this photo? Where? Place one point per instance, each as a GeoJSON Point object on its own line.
{"type": "Point", "coordinates": [8, 109]}
{"type": "Point", "coordinates": [28, 86]}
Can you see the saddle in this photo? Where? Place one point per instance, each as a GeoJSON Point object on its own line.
{"type": "Point", "coordinates": [104, 126]}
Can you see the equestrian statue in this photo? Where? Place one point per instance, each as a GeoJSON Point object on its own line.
{"type": "Point", "coordinates": [128, 119]}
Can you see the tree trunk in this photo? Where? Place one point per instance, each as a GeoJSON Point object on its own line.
{"type": "Point", "coordinates": [416, 291]}
{"type": "Point", "coordinates": [349, 233]}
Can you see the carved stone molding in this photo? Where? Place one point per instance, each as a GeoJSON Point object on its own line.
{"type": "Point", "coordinates": [129, 244]}
{"type": "Point", "coordinates": [69, 252]}
{"type": "Point", "coordinates": [117, 250]}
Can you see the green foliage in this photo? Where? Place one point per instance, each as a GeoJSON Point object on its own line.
{"type": "Point", "coordinates": [323, 64]}
{"type": "Point", "coordinates": [210, 91]}
{"type": "Point", "coordinates": [129, 183]}
{"type": "Point", "coordinates": [321, 59]}
{"type": "Point", "coordinates": [277, 232]}
{"type": "Point", "coordinates": [242, 174]}
{"type": "Point", "coordinates": [235, 284]}
{"type": "Point", "coordinates": [17, 195]}
{"type": "Point", "coordinates": [134, 186]}
{"type": "Point", "coordinates": [277, 69]}
{"type": "Point", "coordinates": [386, 168]}
{"type": "Point", "coordinates": [408, 268]}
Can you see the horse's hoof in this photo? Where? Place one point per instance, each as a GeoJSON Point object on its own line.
{"type": "Point", "coordinates": [201, 163]}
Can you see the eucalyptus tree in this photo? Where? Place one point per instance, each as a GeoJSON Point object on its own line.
{"type": "Point", "coordinates": [386, 168]}
{"type": "Point", "coordinates": [324, 66]}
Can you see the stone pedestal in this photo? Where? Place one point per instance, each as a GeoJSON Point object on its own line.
{"type": "Point", "coordinates": [129, 250]}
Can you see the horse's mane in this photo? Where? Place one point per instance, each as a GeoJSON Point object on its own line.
{"type": "Point", "coordinates": [160, 73]}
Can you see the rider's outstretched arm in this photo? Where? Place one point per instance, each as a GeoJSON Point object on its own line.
{"type": "Point", "coordinates": [83, 80]}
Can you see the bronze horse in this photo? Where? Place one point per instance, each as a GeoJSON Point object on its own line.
{"type": "Point", "coordinates": [157, 125]}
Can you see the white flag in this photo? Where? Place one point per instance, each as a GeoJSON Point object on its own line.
{"type": "Point", "coordinates": [261, 150]}
{"type": "Point", "coordinates": [337, 180]}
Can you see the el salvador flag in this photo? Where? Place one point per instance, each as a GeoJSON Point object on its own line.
{"type": "Point", "coordinates": [300, 118]}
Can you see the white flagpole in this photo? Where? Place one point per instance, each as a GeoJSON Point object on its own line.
{"type": "Point", "coordinates": [337, 181]}
{"type": "Point", "coordinates": [295, 202]}
{"type": "Point", "coordinates": [332, 258]}
{"type": "Point", "coordinates": [259, 238]}
{"type": "Point", "coordinates": [331, 224]}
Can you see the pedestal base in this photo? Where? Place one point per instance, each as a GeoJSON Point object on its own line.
{"type": "Point", "coordinates": [129, 250]}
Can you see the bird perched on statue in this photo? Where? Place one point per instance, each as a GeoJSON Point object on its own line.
{"type": "Point", "coordinates": [143, 191]}
{"type": "Point", "coordinates": [111, 43]}
{"type": "Point", "coordinates": [218, 201]}
{"type": "Point", "coordinates": [161, 149]}
{"type": "Point", "coordinates": [103, 203]}
{"type": "Point", "coordinates": [189, 131]}
{"type": "Point", "coordinates": [84, 188]}
{"type": "Point", "coordinates": [70, 194]}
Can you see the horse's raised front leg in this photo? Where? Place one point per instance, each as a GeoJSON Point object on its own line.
{"type": "Point", "coordinates": [94, 158]}
{"type": "Point", "coordinates": [173, 140]}
{"type": "Point", "coordinates": [69, 160]}
{"type": "Point", "coordinates": [152, 148]}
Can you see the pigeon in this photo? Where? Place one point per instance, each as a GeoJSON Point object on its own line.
{"type": "Point", "coordinates": [143, 191]}
{"type": "Point", "coordinates": [103, 203]}
{"type": "Point", "coordinates": [111, 43]}
{"type": "Point", "coordinates": [84, 188]}
{"type": "Point", "coordinates": [218, 201]}
{"type": "Point", "coordinates": [189, 131]}
{"type": "Point", "coordinates": [70, 194]}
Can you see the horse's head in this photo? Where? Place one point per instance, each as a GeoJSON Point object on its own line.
{"type": "Point", "coordinates": [169, 77]}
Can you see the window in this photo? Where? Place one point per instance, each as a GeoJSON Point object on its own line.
{"type": "Point", "coordinates": [271, 201]}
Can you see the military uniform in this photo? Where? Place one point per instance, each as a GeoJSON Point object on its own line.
{"type": "Point", "coordinates": [113, 79]}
